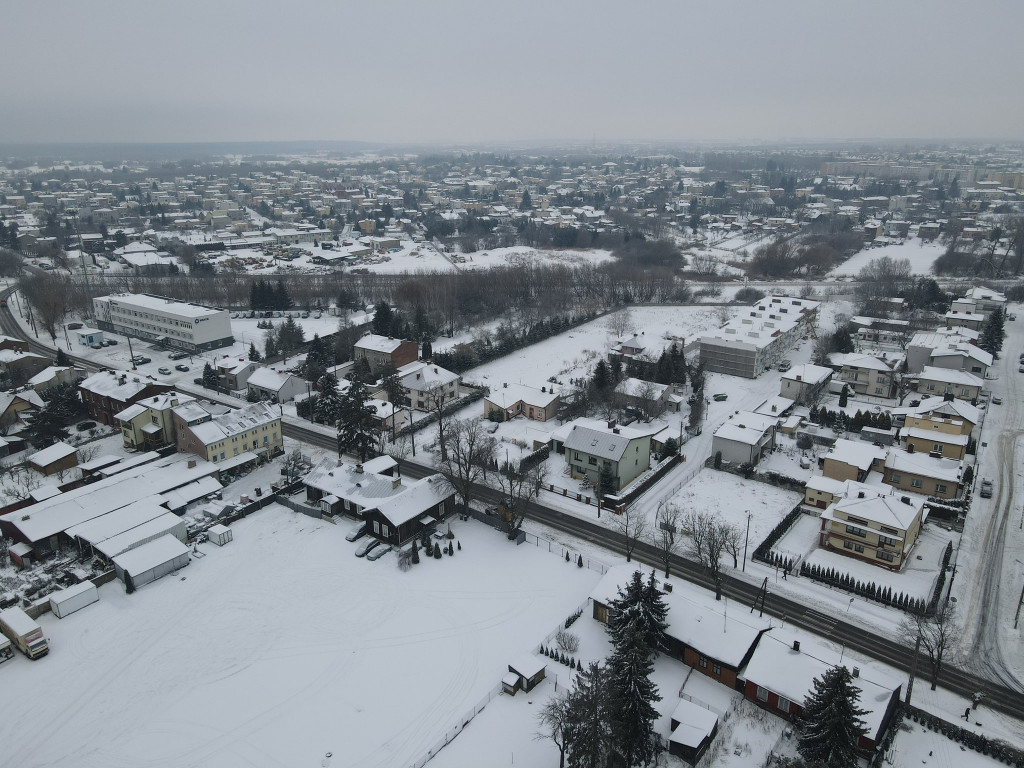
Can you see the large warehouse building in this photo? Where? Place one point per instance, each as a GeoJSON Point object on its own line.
{"type": "Point", "coordinates": [191, 327]}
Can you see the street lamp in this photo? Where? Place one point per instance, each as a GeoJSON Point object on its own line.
{"type": "Point", "coordinates": [746, 538]}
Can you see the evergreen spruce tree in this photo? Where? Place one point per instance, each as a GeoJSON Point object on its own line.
{"type": "Point", "coordinates": [602, 378]}
{"type": "Point", "coordinates": [382, 319]}
{"type": "Point", "coordinates": [356, 433]}
{"type": "Point", "coordinates": [254, 354]}
{"type": "Point", "coordinates": [586, 731]}
{"type": "Point", "coordinates": [632, 695]}
{"type": "Point", "coordinates": [281, 300]}
{"type": "Point", "coordinates": [831, 723]}
{"type": "Point", "coordinates": [639, 603]}
{"type": "Point", "coordinates": [210, 378]}
{"type": "Point", "coordinates": [61, 359]}
{"type": "Point", "coordinates": [328, 402]}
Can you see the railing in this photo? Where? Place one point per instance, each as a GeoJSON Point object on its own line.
{"type": "Point", "coordinates": [561, 551]}
{"type": "Point", "coordinates": [455, 730]}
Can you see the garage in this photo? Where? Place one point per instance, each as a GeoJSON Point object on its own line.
{"type": "Point", "coordinates": [151, 561]}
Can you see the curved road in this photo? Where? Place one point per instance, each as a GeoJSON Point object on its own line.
{"type": "Point", "coordinates": [966, 683]}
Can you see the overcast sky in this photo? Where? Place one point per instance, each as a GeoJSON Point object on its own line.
{"type": "Point", "coordinates": [519, 70]}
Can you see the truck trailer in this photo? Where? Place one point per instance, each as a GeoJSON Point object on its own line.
{"type": "Point", "coordinates": [69, 600]}
{"type": "Point", "coordinates": [24, 632]}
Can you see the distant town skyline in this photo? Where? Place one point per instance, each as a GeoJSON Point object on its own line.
{"type": "Point", "coordinates": [480, 72]}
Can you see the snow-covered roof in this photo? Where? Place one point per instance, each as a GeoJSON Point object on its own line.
{"type": "Point", "coordinates": [808, 373]}
{"type": "Point", "coordinates": [857, 360]}
{"type": "Point", "coordinates": [132, 411]}
{"type": "Point", "coordinates": [856, 453]}
{"type": "Point", "coordinates": [639, 388]}
{"type": "Point", "coordinates": [373, 342]}
{"type": "Point", "coordinates": [876, 507]}
{"type": "Point", "coordinates": [935, 435]}
{"type": "Point", "coordinates": [695, 724]}
{"type": "Point", "coordinates": [919, 463]}
{"type": "Point", "coordinates": [118, 521]}
{"type": "Point", "coordinates": [950, 376]}
{"type": "Point", "coordinates": [127, 540]}
{"type": "Point", "coordinates": [269, 379]}
{"type": "Point", "coordinates": [415, 499]}
{"type": "Point", "coordinates": [119, 385]}
{"type": "Point", "coordinates": [790, 673]}
{"type": "Point", "coordinates": [746, 427]}
{"type": "Point", "coordinates": [425, 376]}
{"type": "Point", "coordinates": [151, 554]}
{"type": "Point", "coordinates": [160, 304]}
{"type": "Point", "coordinates": [55, 452]}
{"type": "Point", "coordinates": [233, 423]}
{"type": "Point", "coordinates": [180, 497]}
{"type": "Point", "coordinates": [527, 666]}
{"type": "Point", "coordinates": [964, 349]}
{"type": "Point", "coordinates": [940, 405]}
{"type": "Point", "coordinates": [48, 374]}
{"type": "Point", "coordinates": [508, 395]}
{"type": "Point", "coordinates": [775, 406]}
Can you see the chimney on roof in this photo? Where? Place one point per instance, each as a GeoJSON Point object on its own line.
{"type": "Point", "coordinates": [191, 463]}
{"type": "Point", "coordinates": [504, 385]}
{"type": "Point", "coordinates": [856, 672]}
{"type": "Point", "coordinates": [905, 500]}
{"type": "Point", "coordinates": [396, 482]}
{"type": "Point", "coordinates": [796, 645]}
{"type": "Point", "coordinates": [860, 494]}
{"type": "Point", "coordinates": [611, 424]}
{"type": "Point", "coordinates": [359, 469]}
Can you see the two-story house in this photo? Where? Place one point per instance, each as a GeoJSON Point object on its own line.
{"type": "Point", "coordinates": [592, 446]}
{"type": "Point", "coordinates": [947, 381]}
{"type": "Point", "coordinates": [879, 528]}
{"type": "Point", "coordinates": [254, 429]}
{"type": "Point", "coordinates": [519, 400]}
{"type": "Point", "coordinates": [802, 383]}
{"type": "Point", "coordinates": [109, 392]}
{"type": "Point", "coordinates": [428, 386]}
{"type": "Point", "coordinates": [865, 374]}
{"type": "Point", "coordinates": [382, 351]}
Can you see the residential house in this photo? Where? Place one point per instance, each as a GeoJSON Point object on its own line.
{"type": "Point", "coordinates": [865, 374]}
{"type": "Point", "coordinates": [947, 348]}
{"type": "Point", "coordinates": [745, 437]}
{"type": "Point", "coordinates": [964, 319]}
{"type": "Point", "coordinates": [519, 400]}
{"type": "Point", "coordinates": [148, 424]}
{"type": "Point", "coordinates": [627, 350]}
{"type": "Point", "coordinates": [20, 366]}
{"type": "Point", "coordinates": [54, 376]}
{"type": "Point", "coordinates": [947, 381]}
{"type": "Point", "coordinates": [924, 474]}
{"type": "Point", "coordinates": [254, 430]}
{"type": "Point", "coordinates": [591, 447]}
{"type": "Point", "coordinates": [820, 492]}
{"type": "Point", "coordinates": [648, 398]}
{"type": "Point", "coordinates": [879, 528]}
{"type": "Point", "coordinates": [381, 351]}
{"type": "Point", "coordinates": [982, 300]}
{"type": "Point", "coordinates": [962, 356]}
{"type": "Point", "coordinates": [275, 386]}
{"type": "Point", "coordinates": [428, 386]}
{"type": "Point", "coordinates": [938, 409]}
{"type": "Point", "coordinates": [781, 674]}
{"type": "Point", "coordinates": [109, 392]}
{"type": "Point", "coordinates": [234, 372]}
{"type": "Point", "coordinates": [852, 460]}
{"type": "Point", "coordinates": [16, 409]}
{"type": "Point", "coordinates": [17, 345]}
{"type": "Point", "coordinates": [937, 441]}
{"type": "Point", "coordinates": [394, 511]}
{"type": "Point", "coordinates": [803, 383]}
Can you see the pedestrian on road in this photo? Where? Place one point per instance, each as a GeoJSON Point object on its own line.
{"type": "Point", "coordinates": [967, 714]}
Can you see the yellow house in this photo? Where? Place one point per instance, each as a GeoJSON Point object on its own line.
{"type": "Point", "coordinates": [935, 441]}
{"type": "Point", "coordinates": [148, 424]}
{"type": "Point", "coordinates": [852, 460]}
{"type": "Point", "coordinates": [254, 429]}
{"type": "Point", "coordinates": [879, 529]}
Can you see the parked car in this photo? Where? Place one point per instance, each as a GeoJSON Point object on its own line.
{"type": "Point", "coordinates": [82, 426]}
{"type": "Point", "coordinates": [141, 360]}
{"type": "Point", "coordinates": [164, 371]}
{"type": "Point", "coordinates": [364, 549]}
{"type": "Point", "coordinates": [358, 533]}
{"type": "Point", "coordinates": [1012, 317]}
{"type": "Point", "coordinates": [74, 326]}
{"type": "Point", "coordinates": [997, 400]}
{"type": "Point", "coordinates": [785, 365]}
{"type": "Point", "coordinates": [986, 489]}
{"type": "Point", "coordinates": [111, 342]}
{"type": "Point", "coordinates": [378, 552]}
{"type": "Point", "coordinates": [178, 355]}
{"type": "Point", "coordinates": [182, 368]}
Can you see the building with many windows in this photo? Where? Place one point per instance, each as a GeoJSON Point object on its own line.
{"type": "Point", "coordinates": [179, 324]}
{"type": "Point", "coordinates": [879, 528]}
{"type": "Point", "coordinates": [255, 429]}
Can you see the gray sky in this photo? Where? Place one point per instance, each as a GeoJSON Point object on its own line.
{"type": "Point", "coordinates": [480, 71]}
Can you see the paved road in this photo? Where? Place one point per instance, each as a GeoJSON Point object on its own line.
{"type": "Point", "coordinates": [854, 637]}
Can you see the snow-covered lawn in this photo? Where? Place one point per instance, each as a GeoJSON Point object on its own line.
{"type": "Point", "coordinates": [920, 253]}
{"type": "Point", "coordinates": [283, 646]}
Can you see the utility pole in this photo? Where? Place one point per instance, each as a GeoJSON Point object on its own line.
{"type": "Point", "coordinates": [1016, 616]}
{"type": "Point", "coordinates": [913, 668]}
{"type": "Point", "coordinates": [746, 538]}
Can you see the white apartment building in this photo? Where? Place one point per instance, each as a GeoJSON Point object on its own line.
{"type": "Point", "coordinates": [191, 327]}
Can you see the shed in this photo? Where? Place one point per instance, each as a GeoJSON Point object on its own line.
{"type": "Point", "coordinates": [151, 530]}
{"type": "Point", "coordinates": [220, 534]}
{"type": "Point", "coordinates": [529, 671]}
{"type": "Point", "coordinates": [57, 457]}
{"type": "Point", "coordinates": [67, 601]}
{"type": "Point", "coordinates": [151, 561]}
{"type": "Point", "coordinates": [693, 729]}
{"type": "Point", "coordinates": [89, 336]}
{"type": "Point", "coordinates": [21, 554]}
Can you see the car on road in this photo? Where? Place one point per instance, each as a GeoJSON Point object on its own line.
{"type": "Point", "coordinates": [83, 426]}
{"type": "Point", "coordinates": [997, 400]}
{"type": "Point", "coordinates": [1012, 317]}
{"type": "Point", "coordinates": [182, 368]}
{"type": "Point", "coordinates": [986, 489]}
{"type": "Point", "coordinates": [141, 360]}
{"type": "Point", "coordinates": [366, 547]}
{"type": "Point", "coordinates": [785, 365]}
{"type": "Point", "coordinates": [378, 552]}
{"type": "Point", "coordinates": [164, 371]}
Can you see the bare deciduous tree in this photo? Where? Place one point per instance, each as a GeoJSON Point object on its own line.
{"type": "Point", "coordinates": [470, 449]}
{"type": "Point", "coordinates": [555, 719]}
{"type": "Point", "coordinates": [632, 524]}
{"type": "Point", "coordinates": [709, 536]}
{"type": "Point", "coordinates": [667, 536]}
{"type": "Point", "coordinates": [621, 323]}
{"type": "Point", "coordinates": [938, 633]}
{"type": "Point", "coordinates": [518, 488]}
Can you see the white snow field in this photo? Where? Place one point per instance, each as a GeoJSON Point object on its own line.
{"type": "Point", "coordinates": [282, 647]}
{"type": "Point", "coordinates": [920, 253]}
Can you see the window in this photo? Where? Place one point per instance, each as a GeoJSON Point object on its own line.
{"type": "Point", "coordinates": [893, 477]}
{"type": "Point", "coordinates": [376, 527]}
{"type": "Point", "coordinates": [965, 392]}
{"type": "Point", "coordinates": [592, 460]}
{"type": "Point", "coordinates": [783, 704]}
{"type": "Point", "coordinates": [762, 693]}
{"type": "Point", "coordinates": [878, 390]}
{"type": "Point", "coordinates": [384, 530]}
{"type": "Point", "coordinates": [854, 530]}
{"type": "Point", "coordinates": [916, 483]}
{"type": "Point", "coordinates": [858, 549]}
{"type": "Point", "coordinates": [939, 488]}
{"type": "Point", "coordinates": [847, 545]}
{"type": "Point", "coordinates": [887, 541]}
{"type": "Point", "coordinates": [883, 555]}
{"type": "Point", "coordinates": [716, 668]}
{"type": "Point", "coordinates": [703, 661]}
{"type": "Point", "coordinates": [937, 447]}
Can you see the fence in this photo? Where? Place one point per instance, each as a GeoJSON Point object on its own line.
{"type": "Point", "coordinates": [576, 495]}
{"type": "Point", "coordinates": [455, 730]}
{"type": "Point", "coordinates": [298, 506]}
{"type": "Point", "coordinates": [562, 551]}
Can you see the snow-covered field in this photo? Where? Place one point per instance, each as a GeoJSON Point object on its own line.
{"type": "Point", "coordinates": [282, 647]}
{"type": "Point", "coordinates": [920, 253]}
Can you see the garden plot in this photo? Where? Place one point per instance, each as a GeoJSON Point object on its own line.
{"type": "Point", "coordinates": [282, 647]}
{"type": "Point", "coordinates": [574, 353]}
